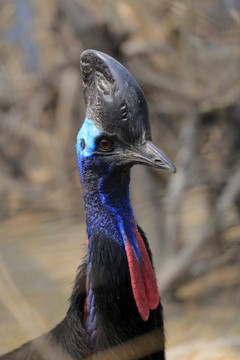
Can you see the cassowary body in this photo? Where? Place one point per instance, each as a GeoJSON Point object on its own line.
{"type": "Point", "coordinates": [115, 299]}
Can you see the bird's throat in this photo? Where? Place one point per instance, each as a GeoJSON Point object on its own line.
{"type": "Point", "coordinates": [114, 222]}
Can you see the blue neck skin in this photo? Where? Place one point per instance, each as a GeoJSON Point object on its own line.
{"type": "Point", "coordinates": [105, 191]}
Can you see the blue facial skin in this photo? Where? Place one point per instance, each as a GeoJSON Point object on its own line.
{"type": "Point", "coordinates": [105, 188]}
{"type": "Point", "coordinates": [88, 132]}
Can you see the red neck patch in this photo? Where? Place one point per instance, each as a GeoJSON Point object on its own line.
{"type": "Point", "coordinates": [143, 280]}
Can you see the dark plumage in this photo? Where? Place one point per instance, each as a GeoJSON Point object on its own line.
{"type": "Point", "coordinates": [115, 298]}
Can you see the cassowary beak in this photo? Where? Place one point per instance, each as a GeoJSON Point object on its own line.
{"type": "Point", "coordinates": [149, 154]}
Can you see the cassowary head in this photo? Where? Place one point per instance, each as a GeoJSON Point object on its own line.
{"type": "Point", "coordinates": [116, 129]}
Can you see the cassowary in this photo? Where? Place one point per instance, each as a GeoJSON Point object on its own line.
{"type": "Point", "coordinates": [115, 310]}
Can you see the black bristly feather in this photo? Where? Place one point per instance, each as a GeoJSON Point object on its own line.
{"type": "Point", "coordinates": [120, 320]}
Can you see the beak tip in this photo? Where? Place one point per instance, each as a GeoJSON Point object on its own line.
{"type": "Point", "coordinates": [173, 169]}
{"type": "Point", "coordinates": [149, 154]}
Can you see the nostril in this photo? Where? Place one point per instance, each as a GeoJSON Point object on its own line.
{"type": "Point", "coordinates": [83, 144]}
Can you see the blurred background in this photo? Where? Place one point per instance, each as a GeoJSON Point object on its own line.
{"type": "Point", "coordinates": [186, 57]}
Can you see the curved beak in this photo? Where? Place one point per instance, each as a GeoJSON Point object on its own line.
{"type": "Point", "coordinates": [149, 154]}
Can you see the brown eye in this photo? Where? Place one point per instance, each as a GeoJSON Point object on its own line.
{"type": "Point", "coordinates": [105, 144]}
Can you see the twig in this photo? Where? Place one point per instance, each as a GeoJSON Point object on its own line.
{"type": "Point", "coordinates": [89, 28]}
{"type": "Point", "coordinates": [216, 262]}
{"type": "Point", "coordinates": [170, 271]}
{"type": "Point", "coordinates": [178, 183]}
{"type": "Point", "coordinates": [183, 90]}
{"type": "Point", "coordinates": [28, 318]}
{"type": "Point", "coordinates": [24, 188]}
{"type": "Point", "coordinates": [64, 112]}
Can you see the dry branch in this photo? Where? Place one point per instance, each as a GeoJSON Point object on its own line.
{"type": "Point", "coordinates": [25, 189]}
{"type": "Point", "coordinates": [88, 27]}
{"type": "Point", "coordinates": [64, 112]}
{"type": "Point", "coordinates": [178, 183]}
{"type": "Point", "coordinates": [175, 266]}
{"type": "Point", "coordinates": [18, 306]}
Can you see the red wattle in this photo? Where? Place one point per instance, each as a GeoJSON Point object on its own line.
{"type": "Point", "coordinates": [138, 284]}
{"type": "Point", "coordinates": [86, 299]}
{"type": "Point", "coordinates": [148, 274]}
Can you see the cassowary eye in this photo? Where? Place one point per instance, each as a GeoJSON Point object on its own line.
{"type": "Point", "coordinates": [105, 144]}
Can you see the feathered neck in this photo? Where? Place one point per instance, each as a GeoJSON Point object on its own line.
{"type": "Point", "coordinates": [110, 216]}
{"type": "Point", "coordinates": [105, 309]}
